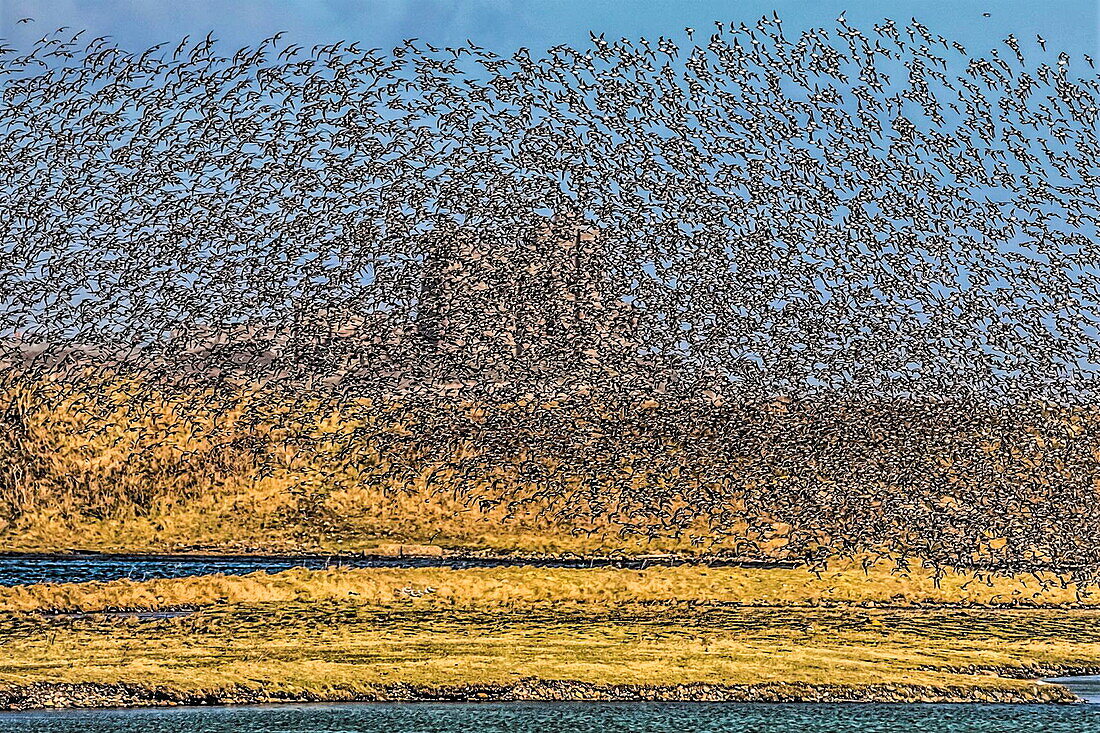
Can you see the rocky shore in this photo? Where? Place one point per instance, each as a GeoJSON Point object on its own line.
{"type": "Point", "coordinates": [120, 695]}
{"type": "Point", "coordinates": [1020, 671]}
{"type": "Point", "coordinates": [409, 555]}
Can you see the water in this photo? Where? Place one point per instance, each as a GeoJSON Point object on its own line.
{"type": "Point", "coordinates": [26, 569]}
{"type": "Point", "coordinates": [568, 718]}
{"type": "Point", "coordinates": [1085, 687]}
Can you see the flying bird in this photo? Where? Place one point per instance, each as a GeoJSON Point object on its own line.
{"type": "Point", "coordinates": [806, 294]}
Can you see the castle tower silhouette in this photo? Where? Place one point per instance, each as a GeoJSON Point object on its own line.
{"type": "Point", "coordinates": [529, 297]}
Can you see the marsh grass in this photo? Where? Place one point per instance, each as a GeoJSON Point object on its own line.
{"type": "Point", "coordinates": [113, 464]}
{"type": "Point", "coordinates": [316, 631]}
{"type": "Point", "coordinates": [117, 464]}
{"type": "Point", "coordinates": [844, 583]}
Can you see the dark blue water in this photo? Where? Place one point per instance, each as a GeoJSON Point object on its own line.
{"type": "Point", "coordinates": [1085, 687]}
{"type": "Point", "coordinates": [569, 717]}
{"type": "Point", "coordinates": [26, 569]}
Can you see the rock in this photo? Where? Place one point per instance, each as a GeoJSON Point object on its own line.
{"type": "Point", "coordinates": [94, 695]}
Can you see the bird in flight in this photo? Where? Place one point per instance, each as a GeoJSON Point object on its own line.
{"type": "Point", "coordinates": [300, 235]}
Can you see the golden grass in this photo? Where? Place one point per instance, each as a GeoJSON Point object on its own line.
{"type": "Point", "coordinates": [125, 468]}
{"type": "Point", "coordinates": [119, 465]}
{"type": "Point", "coordinates": [312, 631]}
{"type": "Point", "coordinates": [253, 518]}
{"type": "Point", "coordinates": [115, 465]}
{"type": "Point", "coordinates": [844, 583]}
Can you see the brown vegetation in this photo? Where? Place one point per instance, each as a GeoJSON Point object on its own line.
{"type": "Point", "coordinates": [118, 464]}
{"type": "Point", "coordinates": [726, 634]}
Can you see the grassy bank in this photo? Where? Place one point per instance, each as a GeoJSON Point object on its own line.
{"type": "Point", "coordinates": [845, 583]}
{"type": "Point", "coordinates": [120, 465]}
{"type": "Point", "coordinates": [254, 519]}
{"type": "Point", "coordinates": [133, 466]}
{"type": "Point", "coordinates": [373, 633]}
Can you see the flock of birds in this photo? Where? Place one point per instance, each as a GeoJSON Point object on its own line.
{"type": "Point", "coordinates": [851, 274]}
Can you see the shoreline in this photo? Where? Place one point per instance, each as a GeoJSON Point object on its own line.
{"type": "Point", "coordinates": [433, 555]}
{"type": "Point", "coordinates": [96, 696]}
{"type": "Point", "coordinates": [541, 636]}
{"type": "Point", "coordinates": [417, 554]}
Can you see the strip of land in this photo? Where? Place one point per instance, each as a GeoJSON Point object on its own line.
{"type": "Point", "coordinates": [544, 633]}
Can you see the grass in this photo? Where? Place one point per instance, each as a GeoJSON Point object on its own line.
{"type": "Point", "coordinates": [116, 465]}
{"type": "Point", "coordinates": [297, 646]}
{"type": "Point", "coordinates": [843, 583]}
{"type": "Point", "coordinates": [320, 631]}
{"type": "Point", "coordinates": [112, 464]}
{"type": "Point", "coordinates": [121, 467]}
{"type": "Point", "coordinates": [253, 520]}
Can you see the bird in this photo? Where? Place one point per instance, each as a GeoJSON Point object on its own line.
{"type": "Point", "coordinates": [805, 295]}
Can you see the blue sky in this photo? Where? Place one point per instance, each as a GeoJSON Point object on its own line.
{"type": "Point", "coordinates": [504, 25]}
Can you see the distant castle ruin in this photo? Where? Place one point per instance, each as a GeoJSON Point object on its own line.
{"type": "Point", "coordinates": [526, 306]}
{"type": "Point", "coordinates": [534, 301]}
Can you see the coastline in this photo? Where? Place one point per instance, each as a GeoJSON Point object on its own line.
{"type": "Point", "coordinates": [421, 555]}
{"type": "Point", "coordinates": [537, 634]}
{"type": "Point", "coordinates": [46, 695]}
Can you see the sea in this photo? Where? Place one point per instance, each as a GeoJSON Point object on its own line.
{"type": "Point", "coordinates": [568, 717]}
